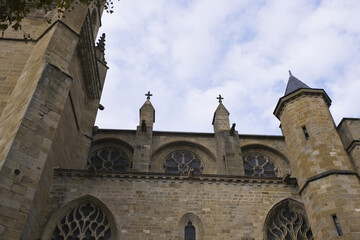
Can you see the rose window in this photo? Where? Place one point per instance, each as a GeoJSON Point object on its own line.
{"type": "Point", "coordinates": [259, 165]}
{"type": "Point", "coordinates": [109, 159]}
{"type": "Point", "coordinates": [183, 162]}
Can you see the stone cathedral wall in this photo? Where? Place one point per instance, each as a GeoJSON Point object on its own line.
{"type": "Point", "coordinates": [154, 207]}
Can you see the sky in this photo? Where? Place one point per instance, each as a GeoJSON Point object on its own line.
{"type": "Point", "coordinates": [186, 53]}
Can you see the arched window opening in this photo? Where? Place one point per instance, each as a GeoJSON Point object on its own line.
{"type": "Point", "coordinates": [259, 165]}
{"type": "Point", "coordinates": [190, 232]}
{"type": "Point", "coordinates": [84, 222]}
{"type": "Point", "coordinates": [183, 162]}
{"type": "Point", "coordinates": [288, 222]}
{"type": "Point", "coordinates": [109, 159]}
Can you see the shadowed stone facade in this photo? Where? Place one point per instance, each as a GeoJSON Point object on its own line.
{"type": "Point", "coordinates": [62, 178]}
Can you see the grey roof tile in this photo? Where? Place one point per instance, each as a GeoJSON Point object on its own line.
{"type": "Point", "coordinates": [294, 84]}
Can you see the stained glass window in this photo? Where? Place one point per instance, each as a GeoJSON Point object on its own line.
{"type": "Point", "coordinates": [109, 159]}
{"type": "Point", "coordinates": [259, 165]}
{"type": "Point", "coordinates": [289, 223]}
{"type": "Point", "coordinates": [190, 233]}
{"type": "Point", "coordinates": [84, 222]}
{"type": "Point", "coordinates": [183, 162]}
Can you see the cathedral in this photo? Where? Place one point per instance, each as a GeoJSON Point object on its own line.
{"type": "Point", "coordinates": [61, 178]}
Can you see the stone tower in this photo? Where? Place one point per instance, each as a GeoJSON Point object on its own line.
{"type": "Point", "coordinates": [328, 185]}
{"type": "Point", "coordinates": [49, 95]}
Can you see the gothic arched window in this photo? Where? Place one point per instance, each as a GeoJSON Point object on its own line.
{"type": "Point", "coordinates": [288, 222]}
{"type": "Point", "coordinates": [190, 233]}
{"type": "Point", "coordinates": [84, 222]}
{"type": "Point", "coordinates": [183, 162]}
{"type": "Point", "coordinates": [259, 165]}
{"type": "Point", "coordinates": [109, 159]}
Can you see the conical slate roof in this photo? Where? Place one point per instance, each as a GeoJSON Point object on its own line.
{"type": "Point", "coordinates": [294, 84]}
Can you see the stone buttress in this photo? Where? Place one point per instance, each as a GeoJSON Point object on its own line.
{"type": "Point", "coordinates": [143, 138]}
{"type": "Point", "coordinates": [227, 143]}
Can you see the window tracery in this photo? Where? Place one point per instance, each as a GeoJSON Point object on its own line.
{"type": "Point", "coordinates": [289, 223]}
{"type": "Point", "coordinates": [259, 165]}
{"type": "Point", "coordinates": [84, 222]}
{"type": "Point", "coordinates": [183, 162]}
{"type": "Point", "coordinates": [109, 159]}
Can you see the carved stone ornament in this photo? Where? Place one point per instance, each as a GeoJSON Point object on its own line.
{"type": "Point", "coordinates": [288, 223]}
{"type": "Point", "coordinates": [84, 222]}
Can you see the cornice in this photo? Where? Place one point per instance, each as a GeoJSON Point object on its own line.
{"type": "Point", "coordinates": [298, 93]}
{"type": "Point", "coordinates": [138, 176]}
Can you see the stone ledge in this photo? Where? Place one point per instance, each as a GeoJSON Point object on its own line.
{"type": "Point", "coordinates": [212, 178]}
{"type": "Point", "coordinates": [326, 174]}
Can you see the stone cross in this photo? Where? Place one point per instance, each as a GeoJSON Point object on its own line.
{"type": "Point", "coordinates": [148, 95]}
{"type": "Point", "coordinates": [220, 98]}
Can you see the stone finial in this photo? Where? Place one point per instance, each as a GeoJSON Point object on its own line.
{"type": "Point", "coordinates": [101, 43]}
{"type": "Point", "coordinates": [220, 98]}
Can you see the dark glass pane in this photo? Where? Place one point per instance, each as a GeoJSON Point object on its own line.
{"type": "Point", "coordinates": [97, 161]}
{"type": "Point", "coordinates": [269, 174]}
{"type": "Point", "coordinates": [183, 168]}
{"type": "Point", "coordinates": [268, 166]}
{"type": "Point", "coordinates": [122, 160]}
{"type": "Point", "coordinates": [187, 157]}
{"type": "Point", "coordinates": [249, 172]}
{"type": "Point", "coordinates": [190, 233]}
{"type": "Point", "coordinates": [195, 164]}
{"type": "Point", "coordinates": [171, 170]}
{"type": "Point", "coordinates": [261, 160]}
{"type": "Point", "coordinates": [247, 166]}
{"type": "Point", "coordinates": [258, 171]}
{"type": "Point", "coordinates": [251, 160]}
{"type": "Point", "coordinates": [178, 157]}
{"type": "Point", "coordinates": [108, 164]}
{"type": "Point", "coordinates": [104, 154]}
{"type": "Point", "coordinates": [171, 163]}
{"type": "Point", "coordinates": [114, 154]}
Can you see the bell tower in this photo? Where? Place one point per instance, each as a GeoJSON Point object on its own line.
{"type": "Point", "coordinates": [328, 185]}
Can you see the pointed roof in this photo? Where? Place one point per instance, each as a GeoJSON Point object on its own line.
{"type": "Point", "coordinates": [220, 110]}
{"type": "Point", "coordinates": [294, 84]}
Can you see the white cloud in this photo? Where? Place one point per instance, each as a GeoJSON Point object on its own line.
{"type": "Point", "coordinates": [188, 52]}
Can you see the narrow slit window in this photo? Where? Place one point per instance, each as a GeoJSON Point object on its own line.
{"type": "Point", "coordinates": [307, 137]}
{"type": "Point", "coordinates": [190, 233]}
{"type": "Point", "coordinates": [337, 225]}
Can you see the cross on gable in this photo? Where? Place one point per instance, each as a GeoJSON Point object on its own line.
{"type": "Point", "coordinates": [148, 95]}
{"type": "Point", "coordinates": [220, 98]}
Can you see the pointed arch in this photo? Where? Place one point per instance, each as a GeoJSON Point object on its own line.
{"type": "Point", "coordinates": [195, 222]}
{"type": "Point", "coordinates": [76, 203]}
{"type": "Point", "coordinates": [287, 220]}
